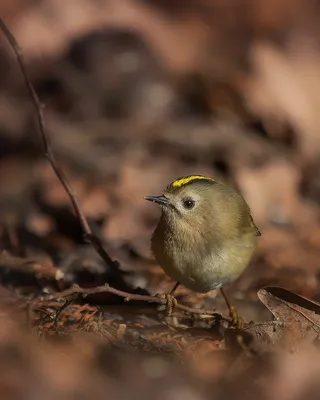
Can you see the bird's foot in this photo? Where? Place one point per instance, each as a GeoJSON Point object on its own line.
{"type": "Point", "coordinates": [171, 302]}
{"type": "Point", "coordinates": [236, 319]}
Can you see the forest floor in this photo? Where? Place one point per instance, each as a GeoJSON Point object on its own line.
{"type": "Point", "coordinates": [137, 94]}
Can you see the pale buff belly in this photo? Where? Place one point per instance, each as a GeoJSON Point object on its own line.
{"type": "Point", "coordinates": [206, 272]}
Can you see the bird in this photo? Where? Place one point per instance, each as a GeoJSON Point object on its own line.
{"type": "Point", "coordinates": [206, 235]}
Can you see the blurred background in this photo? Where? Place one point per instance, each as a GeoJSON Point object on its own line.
{"type": "Point", "coordinates": [138, 93]}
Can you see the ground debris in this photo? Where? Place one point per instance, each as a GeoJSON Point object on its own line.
{"type": "Point", "coordinates": [138, 93]}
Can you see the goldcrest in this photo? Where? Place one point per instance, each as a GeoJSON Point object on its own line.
{"type": "Point", "coordinates": [206, 236]}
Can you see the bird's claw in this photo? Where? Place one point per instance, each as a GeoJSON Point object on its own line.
{"type": "Point", "coordinates": [236, 319]}
{"type": "Point", "coordinates": [170, 304]}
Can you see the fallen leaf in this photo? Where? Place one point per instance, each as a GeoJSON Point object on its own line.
{"type": "Point", "coordinates": [297, 319]}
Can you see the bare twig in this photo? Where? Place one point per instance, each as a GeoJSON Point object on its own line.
{"type": "Point", "coordinates": [27, 266]}
{"type": "Point", "coordinates": [59, 311]}
{"type": "Point", "coordinates": [87, 232]}
{"type": "Point", "coordinates": [127, 296]}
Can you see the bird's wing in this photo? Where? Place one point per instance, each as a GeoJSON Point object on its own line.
{"type": "Point", "coordinates": [254, 227]}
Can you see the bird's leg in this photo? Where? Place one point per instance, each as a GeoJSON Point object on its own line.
{"type": "Point", "coordinates": [171, 301]}
{"type": "Point", "coordinates": [175, 287]}
{"type": "Point", "coordinates": [237, 321]}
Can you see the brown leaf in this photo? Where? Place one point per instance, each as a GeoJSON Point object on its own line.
{"type": "Point", "coordinates": [297, 319]}
{"type": "Point", "coordinates": [26, 266]}
{"type": "Point", "coordinates": [286, 87]}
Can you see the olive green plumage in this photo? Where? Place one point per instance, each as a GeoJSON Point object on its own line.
{"type": "Point", "coordinates": [206, 236]}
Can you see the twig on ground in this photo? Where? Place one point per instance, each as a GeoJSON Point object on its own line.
{"type": "Point", "coordinates": [59, 311]}
{"type": "Point", "coordinates": [87, 232]}
{"type": "Point", "coordinates": [127, 296]}
{"type": "Point", "coordinates": [26, 266]}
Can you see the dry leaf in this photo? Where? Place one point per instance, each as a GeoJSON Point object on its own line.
{"type": "Point", "coordinates": [297, 319]}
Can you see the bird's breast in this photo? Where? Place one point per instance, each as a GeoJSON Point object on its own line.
{"type": "Point", "coordinates": [199, 266]}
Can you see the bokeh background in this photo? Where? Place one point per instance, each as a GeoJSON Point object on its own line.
{"type": "Point", "coordinates": [136, 94]}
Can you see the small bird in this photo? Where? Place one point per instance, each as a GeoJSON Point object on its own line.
{"type": "Point", "coordinates": [206, 236]}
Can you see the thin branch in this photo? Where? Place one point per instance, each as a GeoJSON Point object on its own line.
{"type": "Point", "coordinates": [127, 296]}
{"type": "Point", "coordinates": [59, 311]}
{"type": "Point", "coordinates": [87, 232]}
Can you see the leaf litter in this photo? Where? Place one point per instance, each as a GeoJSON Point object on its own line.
{"type": "Point", "coordinates": [131, 130]}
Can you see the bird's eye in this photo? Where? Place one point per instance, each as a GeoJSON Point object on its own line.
{"type": "Point", "coordinates": [188, 203]}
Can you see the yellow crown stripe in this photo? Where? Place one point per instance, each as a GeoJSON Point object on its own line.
{"type": "Point", "coordinates": [183, 181]}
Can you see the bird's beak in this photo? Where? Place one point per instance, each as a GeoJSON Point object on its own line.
{"type": "Point", "coordinates": [162, 200]}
